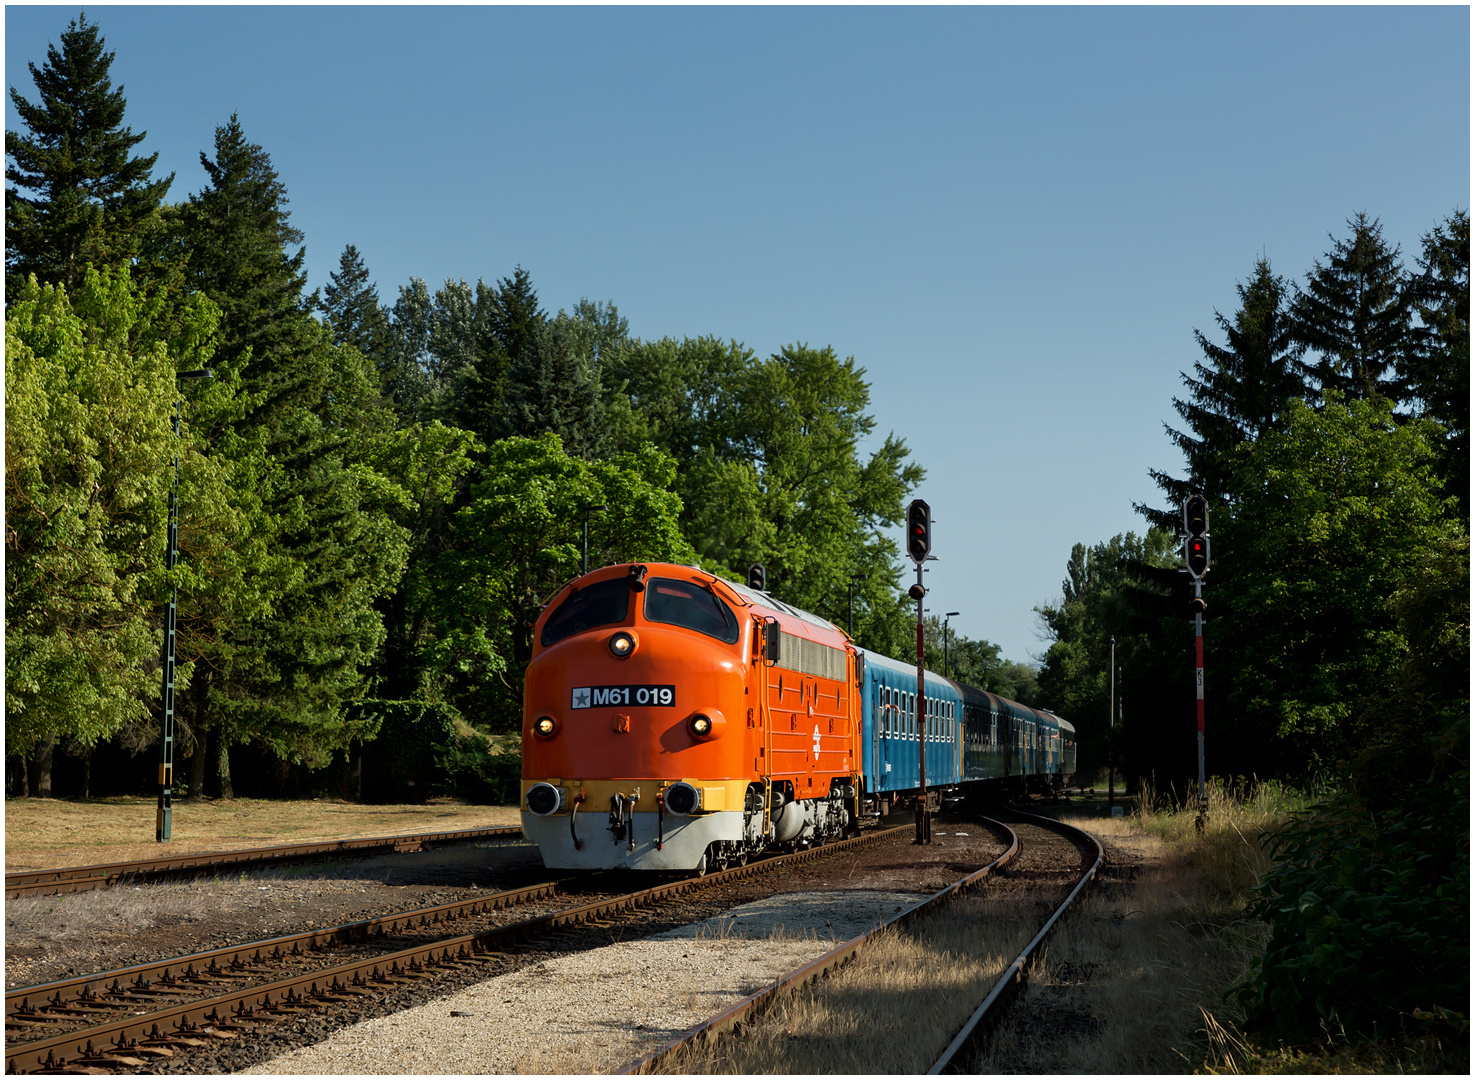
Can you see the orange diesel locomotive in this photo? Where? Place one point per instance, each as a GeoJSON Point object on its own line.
{"type": "Point", "coordinates": [673, 720]}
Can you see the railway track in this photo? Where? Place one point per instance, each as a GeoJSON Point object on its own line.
{"type": "Point", "coordinates": [754, 1005]}
{"type": "Point", "coordinates": [177, 1005]}
{"type": "Point", "coordinates": [86, 878]}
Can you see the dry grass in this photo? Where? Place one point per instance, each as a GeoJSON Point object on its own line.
{"type": "Point", "coordinates": [1132, 982]}
{"type": "Point", "coordinates": [45, 833]}
{"type": "Point", "coordinates": [933, 972]}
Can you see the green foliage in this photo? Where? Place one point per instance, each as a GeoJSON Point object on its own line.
{"type": "Point", "coordinates": [403, 739]}
{"type": "Point", "coordinates": [518, 539]}
{"type": "Point", "coordinates": [88, 398]}
{"type": "Point", "coordinates": [92, 200]}
{"type": "Point", "coordinates": [283, 673]}
{"type": "Point", "coordinates": [976, 663]}
{"type": "Point", "coordinates": [1239, 394]}
{"type": "Point", "coordinates": [1335, 513]}
{"type": "Point", "coordinates": [472, 772]}
{"type": "Point", "coordinates": [1438, 372]}
{"type": "Point", "coordinates": [1356, 315]}
{"type": "Point", "coordinates": [351, 304]}
{"type": "Point", "coordinates": [1113, 590]}
{"type": "Point", "coordinates": [1369, 919]}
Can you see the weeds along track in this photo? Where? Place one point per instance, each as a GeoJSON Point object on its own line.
{"type": "Point", "coordinates": [1040, 854]}
{"type": "Point", "coordinates": [132, 1017]}
{"type": "Point", "coordinates": [85, 878]}
{"type": "Point", "coordinates": [1048, 835]}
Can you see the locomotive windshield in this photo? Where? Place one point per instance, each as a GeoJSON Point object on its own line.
{"type": "Point", "coordinates": [685, 603]}
{"type": "Point", "coordinates": [599, 604]}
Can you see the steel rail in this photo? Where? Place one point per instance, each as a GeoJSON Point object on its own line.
{"type": "Point", "coordinates": [24, 1000]}
{"type": "Point", "coordinates": [85, 878]}
{"type": "Point", "coordinates": [117, 1042]}
{"type": "Point", "coordinates": [754, 1003]}
{"type": "Point", "coordinates": [1014, 976]}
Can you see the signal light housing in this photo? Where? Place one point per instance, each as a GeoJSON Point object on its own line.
{"type": "Point", "coordinates": [919, 531]}
{"type": "Point", "coordinates": [1196, 540]}
{"type": "Point", "coordinates": [1196, 553]}
{"type": "Point", "coordinates": [758, 577]}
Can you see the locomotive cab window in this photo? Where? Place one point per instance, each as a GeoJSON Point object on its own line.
{"type": "Point", "coordinates": [600, 604]}
{"type": "Point", "coordinates": [685, 603]}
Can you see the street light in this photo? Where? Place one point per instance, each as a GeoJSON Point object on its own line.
{"type": "Point", "coordinates": [1111, 731]}
{"type": "Point", "coordinates": [946, 670]}
{"type": "Point", "coordinates": [163, 818]}
{"type": "Point", "coordinates": [587, 511]}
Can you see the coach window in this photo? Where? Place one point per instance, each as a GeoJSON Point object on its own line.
{"type": "Point", "coordinates": [599, 604]}
{"type": "Point", "coordinates": [685, 603]}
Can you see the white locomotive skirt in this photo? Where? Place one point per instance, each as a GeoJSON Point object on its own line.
{"type": "Point", "coordinates": [682, 840]}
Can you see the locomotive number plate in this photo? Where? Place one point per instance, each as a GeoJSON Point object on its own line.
{"type": "Point", "coordinates": [589, 697]}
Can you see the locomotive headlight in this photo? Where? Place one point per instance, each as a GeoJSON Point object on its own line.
{"type": "Point", "coordinates": [544, 727]}
{"type": "Point", "coordinates": [706, 725]}
{"type": "Point", "coordinates": [622, 644]}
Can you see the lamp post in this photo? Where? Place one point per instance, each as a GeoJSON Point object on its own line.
{"type": "Point", "coordinates": [163, 818]}
{"type": "Point", "coordinates": [1111, 731]}
{"type": "Point", "coordinates": [587, 511]}
{"type": "Point", "coordinates": [947, 671]}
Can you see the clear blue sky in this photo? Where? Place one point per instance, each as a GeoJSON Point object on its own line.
{"type": "Point", "coordinates": [1013, 218]}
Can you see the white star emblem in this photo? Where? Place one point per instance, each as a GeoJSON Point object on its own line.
{"type": "Point", "coordinates": [581, 698]}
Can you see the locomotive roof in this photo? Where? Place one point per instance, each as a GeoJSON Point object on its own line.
{"type": "Point", "coordinates": [762, 599]}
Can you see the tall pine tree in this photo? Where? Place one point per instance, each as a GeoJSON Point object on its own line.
{"type": "Point", "coordinates": [351, 304]}
{"type": "Point", "coordinates": [91, 198]}
{"type": "Point", "coordinates": [1238, 394]}
{"type": "Point", "coordinates": [1438, 372]}
{"type": "Point", "coordinates": [286, 676]}
{"type": "Point", "coordinates": [1356, 315]}
{"type": "Point", "coordinates": [239, 237]}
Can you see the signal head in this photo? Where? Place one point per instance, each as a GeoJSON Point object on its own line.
{"type": "Point", "coordinates": [919, 531]}
{"type": "Point", "coordinates": [1196, 554]}
{"type": "Point", "coordinates": [1196, 515]}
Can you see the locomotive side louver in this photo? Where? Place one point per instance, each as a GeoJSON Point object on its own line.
{"type": "Point", "coordinates": [811, 658]}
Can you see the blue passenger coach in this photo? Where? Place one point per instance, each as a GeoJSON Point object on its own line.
{"type": "Point", "coordinates": [971, 735]}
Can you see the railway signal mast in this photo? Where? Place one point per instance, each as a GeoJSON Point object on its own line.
{"type": "Point", "coordinates": [1196, 555]}
{"type": "Point", "coordinates": [919, 546]}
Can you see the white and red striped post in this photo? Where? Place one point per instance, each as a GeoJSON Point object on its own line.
{"type": "Point", "coordinates": [1198, 653]}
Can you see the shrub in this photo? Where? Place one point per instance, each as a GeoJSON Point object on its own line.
{"type": "Point", "coordinates": [472, 772]}
{"type": "Point", "coordinates": [1368, 919]}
